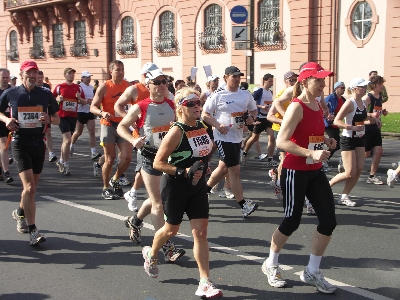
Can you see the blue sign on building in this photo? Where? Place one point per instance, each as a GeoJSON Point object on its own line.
{"type": "Point", "coordinates": [239, 14]}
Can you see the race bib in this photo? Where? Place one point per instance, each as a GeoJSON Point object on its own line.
{"type": "Point", "coordinates": [237, 120]}
{"type": "Point", "coordinates": [158, 134]}
{"type": "Point", "coordinates": [378, 109]}
{"type": "Point", "coordinates": [268, 105]}
{"type": "Point", "coordinates": [28, 116]}
{"type": "Point", "coordinates": [70, 105]}
{"type": "Point", "coordinates": [200, 142]}
{"type": "Point", "coordinates": [314, 143]}
{"type": "Point", "coordinates": [362, 132]}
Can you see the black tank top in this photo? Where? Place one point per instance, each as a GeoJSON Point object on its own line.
{"type": "Point", "coordinates": [374, 106]}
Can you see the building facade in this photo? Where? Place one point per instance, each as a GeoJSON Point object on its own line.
{"type": "Point", "coordinates": [350, 37]}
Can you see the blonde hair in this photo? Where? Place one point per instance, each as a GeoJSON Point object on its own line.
{"type": "Point", "coordinates": [297, 89]}
{"type": "Point", "coordinates": [182, 93]}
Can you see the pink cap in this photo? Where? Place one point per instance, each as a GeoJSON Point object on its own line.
{"type": "Point", "coordinates": [312, 69]}
{"type": "Point", "coordinates": [28, 65]}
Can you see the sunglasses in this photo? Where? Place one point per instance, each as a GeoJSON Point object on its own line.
{"type": "Point", "coordinates": [191, 103]}
{"type": "Point", "coordinates": [342, 87]}
{"type": "Point", "coordinates": [158, 82]}
{"type": "Point", "coordinates": [292, 80]}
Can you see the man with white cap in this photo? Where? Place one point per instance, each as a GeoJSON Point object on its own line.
{"type": "Point", "coordinates": [153, 117]}
{"type": "Point", "coordinates": [86, 117]}
{"type": "Point", "coordinates": [212, 85]}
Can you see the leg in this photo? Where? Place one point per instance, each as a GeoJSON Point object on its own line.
{"type": "Point", "coordinates": [359, 164]}
{"type": "Point", "coordinates": [125, 158]}
{"type": "Point", "coordinates": [152, 184]}
{"type": "Point", "coordinates": [376, 159]}
{"type": "Point", "coordinates": [65, 146]}
{"type": "Point", "coordinates": [254, 137]}
{"type": "Point", "coordinates": [234, 181]}
{"type": "Point", "coordinates": [200, 246]}
{"type": "Point", "coordinates": [218, 173]}
{"type": "Point", "coordinates": [77, 133]}
{"type": "Point", "coordinates": [49, 140]}
{"type": "Point", "coordinates": [162, 236]}
{"type": "Point", "coordinates": [29, 183]}
{"type": "Point", "coordinates": [271, 142]}
{"type": "Point", "coordinates": [109, 157]}
{"type": "Point", "coordinates": [91, 127]}
{"type": "Point", "coordinates": [349, 163]}
{"type": "Point", "coordinates": [4, 154]}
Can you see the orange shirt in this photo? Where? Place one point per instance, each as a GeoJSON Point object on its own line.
{"type": "Point", "coordinates": [113, 92]}
{"type": "Point", "coordinates": [142, 93]}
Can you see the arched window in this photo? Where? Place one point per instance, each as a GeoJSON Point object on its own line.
{"type": "Point", "coordinates": [166, 42]}
{"type": "Point", "coordinates": [361, 20]}
{"type": "Point", "coordinates": [127, 28]}
{"type": "Point", "coordinates": [267, 35]}
{"type": "Point", "coordinates": [12, 53]}
{"type": "Point", "coordinates": [212, 38]}
{"type": "Point", "coordinates": [213, 17]}
{"type": "Point", "coordinates": [126, 46]}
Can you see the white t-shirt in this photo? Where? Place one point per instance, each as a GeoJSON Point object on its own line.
{"type": "Point", "coordinates": [88, 91]}
{"type": "Point", "coordinates": [229, 108]}
{"type": "Point", "coordinates": [266, 99]}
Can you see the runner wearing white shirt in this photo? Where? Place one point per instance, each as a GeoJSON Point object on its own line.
{"type": "Point", "coordinates": [230, 105]}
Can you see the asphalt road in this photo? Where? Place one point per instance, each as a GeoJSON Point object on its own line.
{"type": "Point", "coordinates": [88, 254]}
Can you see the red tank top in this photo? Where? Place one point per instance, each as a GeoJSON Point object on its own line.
{"type": "Point", "coordinates": [308, 134]}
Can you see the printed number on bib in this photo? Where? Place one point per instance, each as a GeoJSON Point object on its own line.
{"type": "Point", "coordinates": [69, 105]}
{"type": "Point", "coordinates": [200, 142]}
{"type": "Point", "coordinates": [237, 120]}
{"type": "Point", "coordinates": [362, 132]}
{"type": "Point", "coordinates": [314, 143]}
{"type": "Point", "coordinates": [158, 134]}
{"type": "Point", "coordinates": [28, 116]}
{"type": "Point", "coordinates": [268, 105]}
{"type": "Point", "coordinates": [378, 110]}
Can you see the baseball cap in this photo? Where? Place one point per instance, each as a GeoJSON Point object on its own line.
{"type": "Point", "coordinates": [358, 82]}
{"type": "Point", "coordinates": [66, 70]}
{"type": "Point", "coordinates": [337, 84]}
{"type": "Point", "coordinates": [233, 71]}
{"type": "Point", "coordinates": [153, 74]}
{"type": "Point", "coordinates": [148, 67]}
{"type": "Point", "coordinates": [28, 65]}
{"type": "Point", "coordinates": [13, 77]}
{"type": "Point", "coordinates": [312, 69]}
{"type": "Point", "coordinates": [212, 77]}
{"type": "Point", "coordinates": [86, 74]}
{"type": "Point", "coordinates": [289, 74]}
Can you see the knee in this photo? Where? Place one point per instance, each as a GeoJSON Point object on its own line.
{"type": "Point", "coordinates": [378, 151]}
{"type": "Point", "coordinates": [289, 226]}
{"type": "Point", "coordinates": [171, 231]}
{"type": "Point", "coordinates": [272, 139]}
{"type": "Point", "coordinates": [109, 159]}
{"type": "Point", "coordinates": [234, 171]}
{"type": "Point", "coordinates": [199, 233]}
{"type": "Point", "coordinates": [350, 174]}
{"type": "Point", "coordinates": [327, 227]}
{"type": "Point", "coordinates": [30, 191]}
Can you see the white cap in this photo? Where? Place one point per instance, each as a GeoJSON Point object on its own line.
{"type": "Point", "coordinates": [212, 77]}
{"type": "Point", "coordinates": [358, 82]}
{"type": "Point", "coordinates": [86, 74]}
{"type": "Point", "coordinates": [153, 74]}
{"type": "Point", "coordinates": [148, 67]}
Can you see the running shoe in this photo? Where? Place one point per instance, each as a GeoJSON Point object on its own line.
{"type": "Point", "coordinates": [208, 290]}
{"type": "Point", "coordinates": [274, 275]}
{"type": "Point", "coordinates": [66, 170]}
{"type": "Point", "coordinates": [375, 180]}
{"type": "Point", "coordinates": [96, 169]}
{"type": "Point", "coordinates": [71, 151]}
{"type": "Point", "coordinates": [248, 208]}
{"type": "Point", "coordinates": [134, 231]}
{"type": "Point", "coordinates": [262, 156]}
{"type": "Point", "coordinates": [326, 167]}
{"type": "Point", "coordinates": [10, 160]}
{"type": "Point", "coordinates": [171, 253]}
{"type": "Point", "coordinates": [273, 173]}
{"type": "Point", "coordinates": [108, 194]}
{"type": "Point", "coordinates": [272, 163]}
{"type": "Point", "coordinates": [392, 178]}
{"type": "Point", "coordinates": [310, 210]}
{"type": "Point", "coordinates": [22, 224]}
{"type": "Point", "coordinates": [214, 190]}
{"type": "Point", "coordinates": [226, 193]}
{"type": "Point", "coordinates": [60, 166]}
{"type": "Point", "coordinates": [318, 280]}
{"type": "Point", "coordinates": [346, 201]}
{"type": "Point", "coordinates": [243, 157]}
{"type": "Point", "coordinates": [36, 237]}
{"type": "Point", "coordinates": [116, 187]}
{"type": "Point", "coordinates": [150, 264]}
{"type": "Point", "coordinates": [95, 155]}
{"type": "Point", "coordinates": [132, 200]}
{"type": "Point", "coordinates": [52, 158]}
{"type": "Point", "coordinates": [8, 178]}
{"type": "Point", "coordinates": [277, 189]}
{"type": "Point", "coordinates": [124, 181]}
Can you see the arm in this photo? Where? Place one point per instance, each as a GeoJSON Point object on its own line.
{"type": "Point", "coordinates": [271, 115]}
{"type": "Point", "coordinates": [123, 127]}
{"type": "Point", "coordinates": [129, 94]}
{"type": "Point", "coordinates": [98, 98]}
{"type": "Point", "coordinates": [81, 98]}
{"type": "Point", "coordinates": [385, 96]}
{"type": "Point", "coordinates": [347, 108]}
{"type": "Point", "coordinates": [286, 96]}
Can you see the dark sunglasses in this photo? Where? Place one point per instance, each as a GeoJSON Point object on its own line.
{"type": "Point", "coordinates": [191, 103]}
{"type": "Point", "coordinates": [292, 80]}
{"type": "Point", "coordinates": [342, 87]}
{"type": "Point", "coordinates": [158, 82]}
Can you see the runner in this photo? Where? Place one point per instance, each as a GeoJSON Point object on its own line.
{"type": "Point", "coordinates": [230, 105]}
{"type": "Point", "coordinates": [354, 111]}
{"type": "Point", "coordinates": [4, 157]}
{"type": "Point", "coordinates": [153, 117]}
{"type": "Point", "coordinates": [302, 137]}
{"type": "Point", "coordinates": [393, 176]}
{"type": "Point", "coordinates": [86, 117]}
{"type": "Point", "coordinates": [263, 99]}
{"type": "Point", "coordinates": [69, 96]}
{"type": "Point", "coordinates": [185, 147]}
{"type": "Point", "coordinates": [31, 109]}
{"type": "Point", "coordinates": [106, 96]}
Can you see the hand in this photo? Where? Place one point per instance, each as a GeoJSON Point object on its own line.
{"type": "Point", "coordinates": [330, 117]}
{"type": "Point", "coordinates": [12, 124]}
{"type": "Point", "coordinates": [195, 172]}
{"type": "Point", "coordinates": [78, 96]}
{"type": "Point", "coordinates": [385, 112]}
{"type": "Point", "coordinates": [359, 128]}
{"type": "Point", "coordinates": [106, 115]}
{"type": "Point", "coordinates": [320, 155]}
{"type": "Point", "coordinates": [375, 115]}
{"type": "Point", "coordinates": [223, 129]}
{"type": "Point", "coordinates": [331, 143]}
{"type": "Point", "coordinates": [60, 98]}
{"type": "Point", "coordinates": [139, 142]}
{"type": "Point", "coordinates": [44, 118]}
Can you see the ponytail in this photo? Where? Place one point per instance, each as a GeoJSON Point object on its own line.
{"type": "Point", "coordinates": [296, 90]}
{"type": "Point", "coordinates": [349, 91]}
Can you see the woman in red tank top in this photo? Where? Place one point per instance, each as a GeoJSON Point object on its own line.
{"type": "Point", "coordinates": [302, 137]}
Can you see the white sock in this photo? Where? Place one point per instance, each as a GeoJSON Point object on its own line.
{"type": "Point", "coordinates": [344, 196]}
{"type": "Point", "coordinates": [51, 153]}
{"type": "Point", "coordinates": [72, 146]}
{"type": "Point", "coordinates": [93, 150]}
{"type": "Point", "coordinates": [278, 182]}
{"type": "Point", "coordinates": [61, 161]}
{"type": "Point", "coordinates": [313, 264]}
{"type": "Point", "coordinates": [307, 201]}
{"type": "Point", "coordinates": [272, 260]}
{"type": "Point", "coordinates": [66, 163]}
{"type": "Point", "coordinates": [133, 191]}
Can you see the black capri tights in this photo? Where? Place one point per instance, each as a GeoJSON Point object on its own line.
{"type": "Point", "coordinates": [313, 184]}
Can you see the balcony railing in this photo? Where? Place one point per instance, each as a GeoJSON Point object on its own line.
{"type": "Point", "coordinates": [12, 55]}
{"type": "Point", "coordinates": [16, 3]}
{"type": "Point", "coordinates": [212, 40]}
{"type": "Point", "coordinates": [78, 51]}
{"type": "Point", "coordinates": [36, 52]}
{"type": "Point", "coordinates": [57, 51]}
{"type": "Point", "coordinates": [268, 37]}
{"type": "Point", "coordinates": [166, 44]}
{"type": "Point", "coordinates": [126, 46]}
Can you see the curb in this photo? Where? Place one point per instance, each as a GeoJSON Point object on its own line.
{"type": "Point", "coordinates": [390, 135]}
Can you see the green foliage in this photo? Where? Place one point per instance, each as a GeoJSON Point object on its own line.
{"type": "Point", "coordinates": [391, 123]}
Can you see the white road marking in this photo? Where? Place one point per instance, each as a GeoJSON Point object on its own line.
{"type": "Point", "coordinates": [341, 285]}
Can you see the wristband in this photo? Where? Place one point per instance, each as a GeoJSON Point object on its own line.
{"type": "Point", "coordinates": [179, 172]}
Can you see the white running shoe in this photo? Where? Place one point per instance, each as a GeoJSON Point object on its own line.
{"type": "Point", "coordinates": [248, 208]}
{"type": "Point", "coordinates": [310, 210]}
{"type": "Point", "coordinates": [226, 193]}
{"type": "Point", "coordinates": [263, 156]}
{"type": "Point", "coordinates": [392, 178]}
{"type": "Point", "coordinates": [346, 201]}
{"type": "Point", "coordinates": [60, 166]}
{"type": "Point", "coordinates": [375, 180]}
{"type": "Point", "coordinates": [208, 290]}
{"type": "Point", "coordinates": [132, 201]}
{"type": "Point", "coordinates": [96, 170]}
{"type": "Point", "coordinates": [273, 173]}
{"type": "Point", "coordinates": [318, 280]}
{"type": "Point", "coordinates": [272, 163]}
{"type": "Point", "coordinates": [214, 190]}
{"type": "Point", "coordinates": [274, 275]}
{"type": "Point", "coordinates": [277, 189]}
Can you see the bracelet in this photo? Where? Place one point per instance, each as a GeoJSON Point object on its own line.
{"type": "Point", "coordinates": [179, 172]}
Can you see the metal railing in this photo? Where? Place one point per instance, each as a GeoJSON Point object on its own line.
{"type": "Point", "coordinates": [78, 50]}
{"type": "Point", "coordinates": [212, 39]}
{"type": "Point", "coordinates": [12, 55]}
{"type": "Point", "coordinates": [16, 3]}
{"type": "Point", "coordinates": [126, 46]}
{"type": "Point", "coordinates": [165, 43]}
{"type": "Point", "coordinates": [268, 37]}
{"type": "Point", "coordinates": [36, 52]}
{"type": "Point", "coordinates": [57, 51]}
